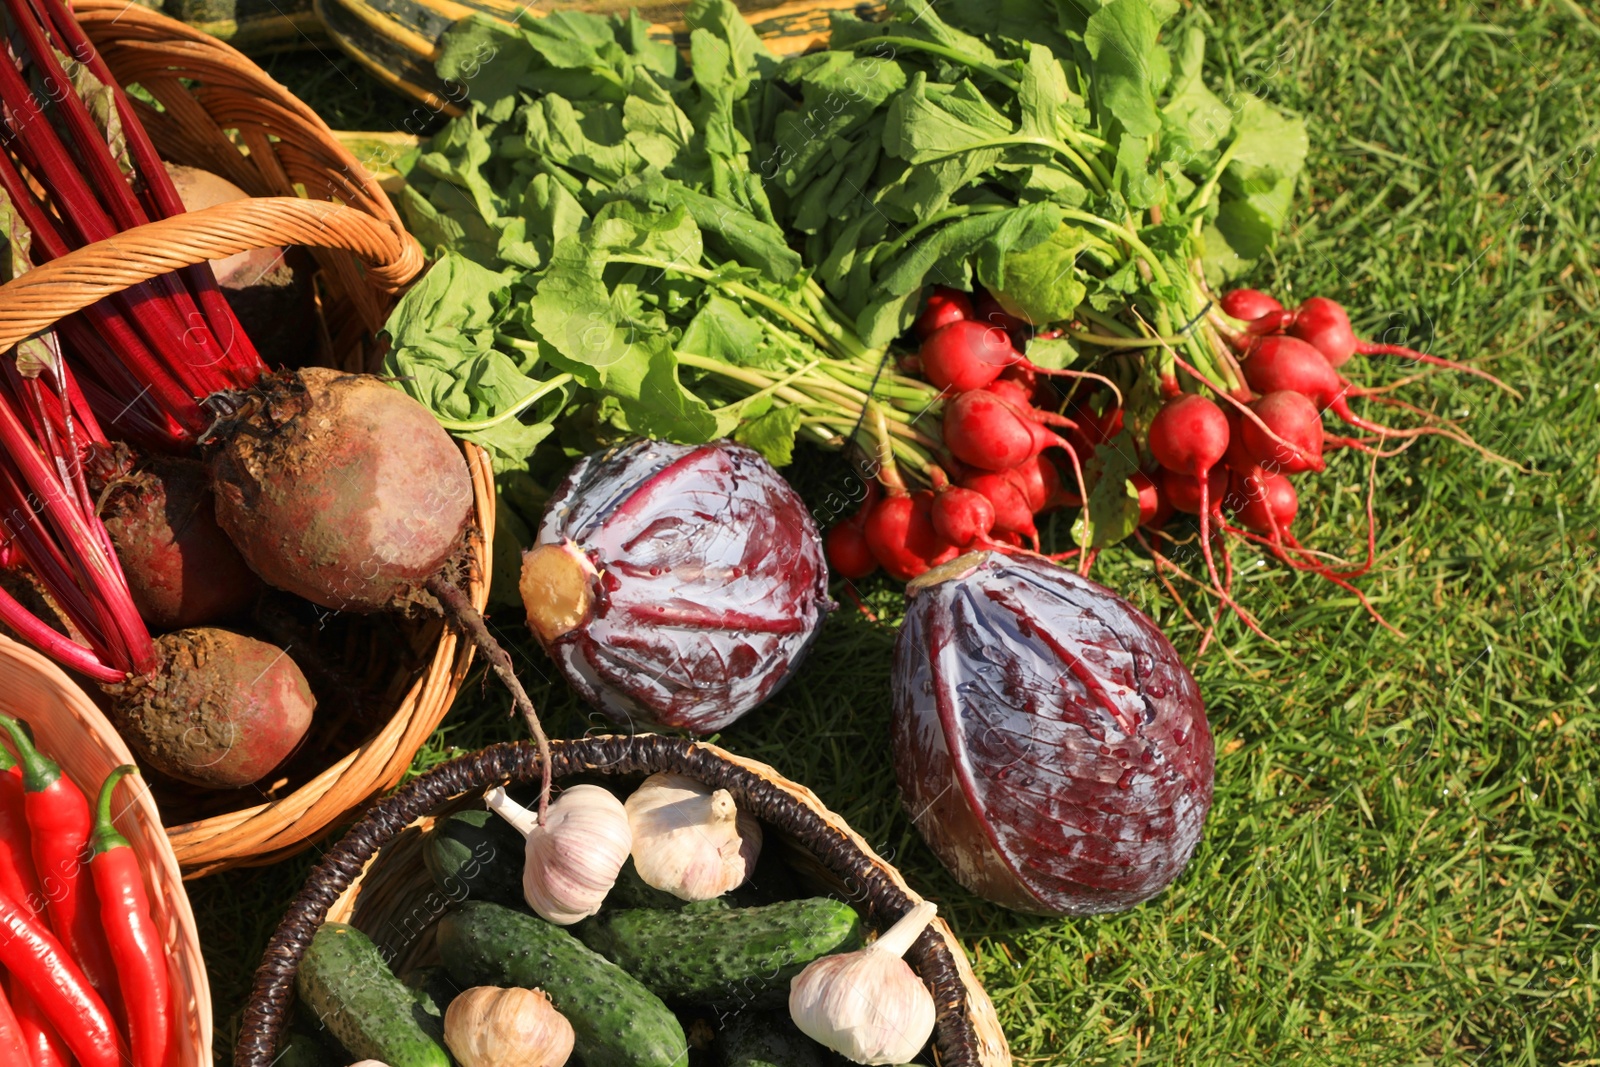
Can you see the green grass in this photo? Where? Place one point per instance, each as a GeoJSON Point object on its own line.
{"type": "Point", "coordinates": [1401, 864]}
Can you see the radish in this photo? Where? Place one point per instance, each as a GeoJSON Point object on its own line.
{"type": "Point", "coordinates": [1189, 435]}
{"type": "Point", "coordinates": [1182, 491]}
{"type": "Point", "coordinates": [1247, 305]}
{"type": "Point", "coordinates": [847, 548]}
{"type": "Point", "coordinates": [1264, 502]}
{"type": "Point", "coordinates": [1013, 513]}
{"type": "Point", "coordinates": [962, 516]}
{"type": "Point", "coordinates": [990, 312]}
{"type": "Point", "coordinates": [966, 354]}
{"type": "Point", "coordinates": [984, 431]}
{"type": "Point", "coordinates": [1325, 325]}
{"type": "Point", "coordinates": [902, 537]}
{"type": "Point", "coordinates": [1154, 508]}
{"type": "Point", "coordinates": [1289, 364]}
{"type": "Point", "coordinates": [943, 306]}
{"type": "Point", "coordinates": [1236, 457]}
{"type": "Point", "coordinates": [1041, 481]}
{"type": "Point", "coordinates": [1293, 417]}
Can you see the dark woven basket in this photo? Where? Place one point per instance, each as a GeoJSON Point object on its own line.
{"type": "Point", "coordinates": [967, 1035]}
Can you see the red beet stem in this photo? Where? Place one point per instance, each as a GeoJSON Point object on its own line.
{"type": "Point", "coordinates": [242, 363]}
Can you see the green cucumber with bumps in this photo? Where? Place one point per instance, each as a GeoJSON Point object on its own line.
{"type": "Point", "coordinates": [729, 957]}
{"type": "Point", "coordinates": [475, 855]}
{"type": "Point", "coordinates": [344, 982]}
{"type": "Point", "coordinates": [765, 1039]}
{"type": "Point", "coordinates": [616, 1020]}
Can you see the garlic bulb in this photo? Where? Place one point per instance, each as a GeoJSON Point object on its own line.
{"type": "Point", "coordinates": [572, 860]}
{"type": "Point", "coordinates": [490, 1027]}
{"type": "Point", "coordinates": [690, 841]}
{"type": "Point", "coordinates": [869, 1006]}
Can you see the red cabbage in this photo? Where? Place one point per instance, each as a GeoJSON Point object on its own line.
{"type": "Point", "coordinates": [1050, 746]}
{"type": "Point", "coordinates": [676, 585]}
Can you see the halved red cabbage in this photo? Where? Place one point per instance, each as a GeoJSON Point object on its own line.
{"type": "Point", "coordinates": [676, 585]}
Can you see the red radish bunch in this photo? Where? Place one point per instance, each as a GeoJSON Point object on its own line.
{"type": "Point", "coordinates": [1000, 450]}
{"type": "Point", "coordinates": [1221, 447]}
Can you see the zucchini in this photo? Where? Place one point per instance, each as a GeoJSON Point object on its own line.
{"type": "Point", "coordinates": [766, 1039]}
{"type": "Point", "coordinates": [475, 855]}
{"type": "Point", "coordinates": [728, 957]}
{"type": "Point", "coordinates": [617, 1021]}
{"type": "Point", "coordinates": [344, 982]}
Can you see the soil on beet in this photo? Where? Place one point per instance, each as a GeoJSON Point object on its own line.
{"type": "Point", "coordinates": [181, 568]}
{"type": "Point", "coordinates": [222, 710]}
{"type": "Point", "coordinates": [342, 490]}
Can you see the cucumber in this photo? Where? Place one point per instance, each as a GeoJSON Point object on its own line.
{"type": "Point", "coordinates": [766, 1039]}
{"type": "Point", "coordinates": [732, 957]}
{"type": "Point", "coordinates": [475, 855]}
{"type": "Point", "coordinates": [617, 1021]}
{"type": "Point", "coordinates": [434, 989]}
{"type": "Point", "coordinates": [344, 982]}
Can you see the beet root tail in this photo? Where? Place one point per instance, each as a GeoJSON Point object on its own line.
{"type": "Point", "coordinates": [459, 610]}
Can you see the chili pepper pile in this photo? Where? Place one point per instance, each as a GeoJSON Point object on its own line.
{"type": "Point", "coordinates": [85, 972]}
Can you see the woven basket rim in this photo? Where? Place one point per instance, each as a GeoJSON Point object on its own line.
{"type": "Point", "coordinates": [968, 1034]}
{"type": "Point", "coordinates": [370, 228]}
{"type": "Point", "coordinates": [71, 728]}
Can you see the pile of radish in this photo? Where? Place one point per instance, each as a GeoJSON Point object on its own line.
{"type": "Point", "coordinates": [1226, 456]}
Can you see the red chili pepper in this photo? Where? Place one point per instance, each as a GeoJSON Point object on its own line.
{"type": "Point", "coordinates": [17, 876]}
{"type": "Point", "coordinates": [59, 821]}
{"type": "Point", "coordinates": [18, 879]}
{"type": "Point", "coordinates": [13, 1049]}
{"type": "Point", "coordinates": [136, 946]}
{"type": "Point", "coordinates": [40, 962]}
{"type": "Point", "coordinates": [45, 1047]}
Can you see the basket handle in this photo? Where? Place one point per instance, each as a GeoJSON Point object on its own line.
{"type": "Point", "coordinates": [37, 299]}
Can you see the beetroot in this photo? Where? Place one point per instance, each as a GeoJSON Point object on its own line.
{"type": "Point", "coordinates": [676, 585]}
{"type": "Point", "coordinates": [1049, 744]}
{"type": "Point", "coordinates": [269, 289]}
{"type": "Point", "coordinates": [181, 568]}
{"type": "Point", "coordinates": [313, 486]}
{"type": "Point", "coordinates": [221, 710]}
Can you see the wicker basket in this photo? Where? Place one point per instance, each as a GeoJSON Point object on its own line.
{"type": "Point", "coordinates": [70, 729]}
{"type": "Point", "coordinates": [221, 112]}
{"type": "Point", "coordinates": [390, 896]}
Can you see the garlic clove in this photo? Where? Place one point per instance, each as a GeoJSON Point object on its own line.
{"type": "Point", "coordinates": [571, 860]}
{"type": "Point", "coordinates": [869, 1006]}
{"type": "Point", "coordinates": [690, 840]}
{"type": "Point", "coordinates": [491, 1027]}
